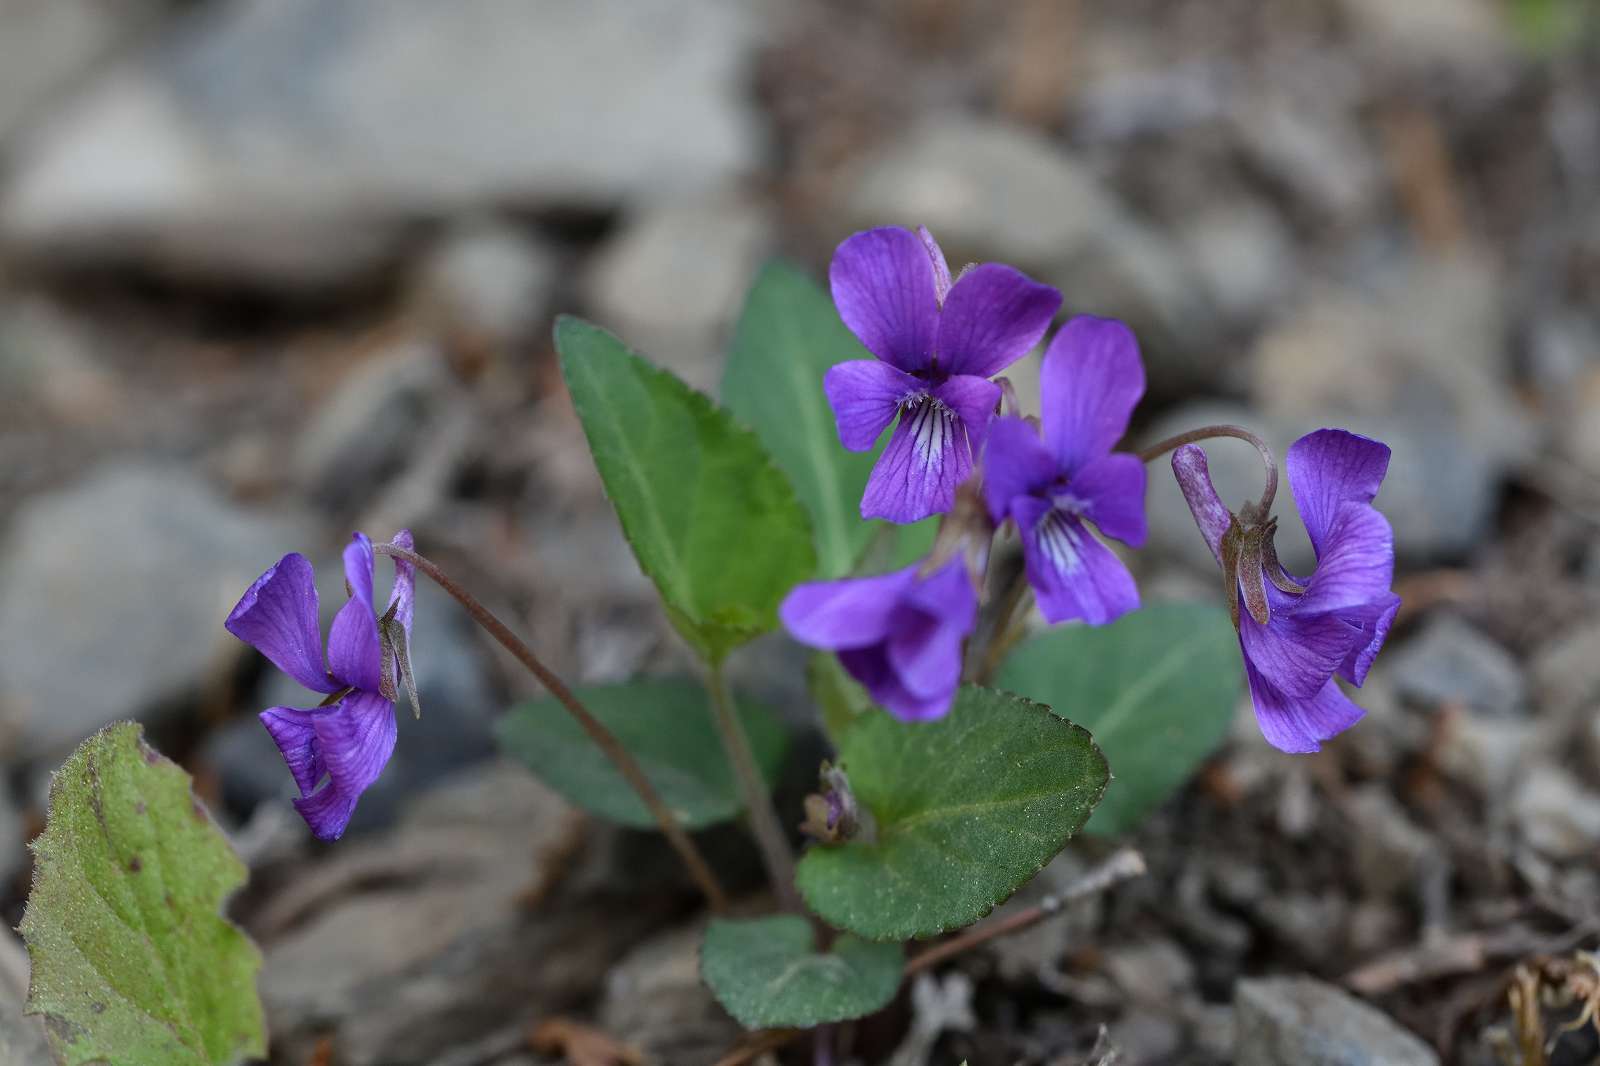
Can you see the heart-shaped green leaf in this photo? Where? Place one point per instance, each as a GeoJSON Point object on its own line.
{"type": "Point", "coordinates": [1158, 688]}
{"type": "Point", "coordinates": [966, 810]}
{"type": "Point", "coordinates": [666, 725]}
{"type": "Point", "coordinates": [132, 961]}
{"type": "Point", "coordinates": [788, 336]}
{"type": "Point", "coordinates": [767, 973]}
{"type": "Point", "coordinates": [713, 522]}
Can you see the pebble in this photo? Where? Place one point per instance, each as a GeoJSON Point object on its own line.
{"type": "Point", "coordinates": [1305, 1022]}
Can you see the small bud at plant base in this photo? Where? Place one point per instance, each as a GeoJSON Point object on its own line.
{"type": "Point", "coordinates": [831, 816]}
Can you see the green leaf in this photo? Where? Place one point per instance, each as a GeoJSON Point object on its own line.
{"type": "Point", "coordinates": [711, 520]}
{"type": "Point", "coordinates": [966, 808]}
{"type": "Point", "coordinates": [788, 336]}
{"type": "Point", "coordinates": [667, 726]}
{"type": "Point", "coordinates": [839, 697]}
{"type": "Point", "coordinates": [1158, 688]}
{"type": "Point", "coordinates": [768, 974]}
{"type": "Point", "coordinates": [132, 961]}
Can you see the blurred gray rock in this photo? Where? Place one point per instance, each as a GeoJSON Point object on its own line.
{"type": "Point", "coordinates": [1566, 670]}
{"type": "Point", "coordinates": [1313, 152]}
{"type": "Point", "coordinates": [1556, 815]}
{"type": "Point", "coordinates": [265, 136]}
{"type": "Point", "coordinates": [1242, 256]}
{"type": "Point", "coordinates": [654, 999]}
{"type": "Point", "coordinates": [427, 937]}
{"type": "Point", "coordinates": [1392, 852]}
{"type": "Point", "coordinates": [116, 587]}
{"type": "Point", "coordinates": [487, 282]}
{"type": "Point", "coordinates": [459, 705]}
{"type": "Point", "coordinates": [670, 282]}
{"type": "Point", "coordinates": [48, 45]}
{"type": "Point", "coordinates": [1153, 972]}
{"type": "Point", "coordinates": [1451, 662]}
{"type": "Point", "coordinates": [1485, 751]}
{"type": "Point", "coordinates": [1146, 1036]}
{"type": "Point", "coordinates": [1304, 1022]}
{"type": "Point", "coordinates": [1456, 33]}
{"type": "Point", "coordinates": [364, 431]}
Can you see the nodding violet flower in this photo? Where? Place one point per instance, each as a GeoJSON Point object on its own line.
{"type": "Point", "coordinates": [348, 739]}
{"type": "Point", "coordinates": [1298, 633]}
{"type": "Point", "coordinates": [899, 634]}
{"type": "Point", "coordinates": [937, 344]}
{"type": "Point", "coordinates": [1089, 383]}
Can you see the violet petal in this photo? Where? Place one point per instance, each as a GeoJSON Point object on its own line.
{"type": "Point", "coordinates": [1329, 468]}
{"type": "Point", "coordinates": [917, 474]}
{"type": "Point", "coordinates": [291, 729]}
{"type": "Point", "coordinates": [849, 613]}
{"type": "Point", "coordinates": [278, 617]}
{"type": "Point", "coordinates": [993, 316]}
{"type": "Point", "coordinates": [1073, 575]}
{"type": "Point", "coordinates": [1194, 479]}
{"type": "Point", "coordinates": [356, 740]}
{"type": "Point", "coordinates": [1111, 493]}
{"type": "Point", "coordinates": [1299, 725]}
{"type": "Point", "coordinates": [1015, 463]}
{"type": "Point", "coordinates": [1089, 384]}
{"type": "Point", "coordinates": [974, 401]}
{"type": "Point", "coordinates": [883, 286]}
{"type": "Point", "coordinates": [865, 396]}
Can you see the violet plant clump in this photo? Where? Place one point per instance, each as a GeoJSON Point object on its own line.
{"type": "Point", "coordinates": [944, 796]}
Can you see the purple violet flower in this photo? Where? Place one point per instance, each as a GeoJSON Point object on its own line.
{"type": "Point", "coordinates": [349, 738]}
{"type": "Point", "coordinates": [937, 345]}
{"type": "Point", "coordinates": [899, 634]}
{"type": "Point", "coordinates": [1089, 383]}
{"type": "Point", "coordinates": [1298, 633]}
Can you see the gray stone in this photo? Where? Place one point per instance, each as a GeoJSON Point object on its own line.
{"type": "Point", "coordinates": [1314, 152]}
{"type": "Point", "coordinates": [487, 283]}
{"type": "Point", "coordinates": [1452, 663]}
{"type": "Point", "coordinates": [1299, 1021]}
{"type": "Point", "coordinates": [1146, 1037]}
{"type": "Point", "coordinates": [671, 281]}
{"type": "Point", "coordinates": [459, 706]}
{"type": "Point", "coordinates": [262, 118]}
{"type": "Point", "coordinates": [1556, 815]}
{"type": "Point", "coordinates": [1392, 853]}
{"type": "Point", "coordinates": [1484, 751]}
{"type": "Point", "coordinates": [113, 592]}
{"type": "Point", "coordinates": [1566, 671]}
{"type": "Point", "coordinates": [1455, 33]}
{"type": "Point", "coordinates": [22, 1037]}
{"type": "Point", "coordinates": [1152, 972]}
{"type": "Point", "coordinates": [363, 432]}
{"type": "Point", "coordinates": [420, 940]}
{"type": "Point", "coordinates": [1242, 257]}
{"type": "Point", "coordinates": [654, 999]}
{"type": "Point", "coordinates": [48, 45]}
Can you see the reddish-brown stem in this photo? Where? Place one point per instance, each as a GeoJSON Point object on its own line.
{"type": "Point", "coordinates": [597, 731]}
{"type": "Point", "coordinates": [1160, 448]}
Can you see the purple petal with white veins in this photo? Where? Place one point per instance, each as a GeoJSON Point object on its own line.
{"type": "Point", "coordinates": [1015, 463]}
{"type": "Point", "coordinates": [993, 316]}
{"type": "Point", "coordinates": [291, 729]}
{"type": "Point", "coordinates": [1376, 623]}
{"type": "Point", "coordinates": [1328, 469]}
{"type": "Point", "coordinates": [883, 286]}
{"type": "Point", "coordinates": [1089, 384]}
{"type": "Point", "coordinates": [1297, 653]}
{"type": "Point", "coordinates": [403, 597]}
{"type": "Point", "coordinates": [941, 269]}
{"type": "Point", "coordinates": [865, 396]}
{"type": "Point", "coordinates": [278, 617]}
{"type": "Point", "coordinates": [1194, 479]}
{"type": "Point", "coordinates": [924, 461]}
{"type": "Point", "coordinates": [974, 401]}
{"type": "Point", "coordinates": [1300, 725]}
{"type": "Point", "coordinates": [1355, 565]}
{"type": "Point", "coordinates": [327, 812]}
{"type": "Point", "coordinates": [356, 741]}
{"type": "Point", "coordinates": [1073, 575]}
{"type": "Point", "coordinates": [849, 613]}
{"type": "Point", "coordinates": [1111, 493]}
{"type": "Point", "coordinates": [871, 667]}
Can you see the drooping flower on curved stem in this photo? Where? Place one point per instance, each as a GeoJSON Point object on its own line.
{"type": "Point", "coordinates": [1298, 633]}
{"type": "Point", "coordinates": [937, 344]}
{"type": "Point", "coordinates": [344, 744]}
{"type": "Point", "coordinates": [1054, 486]}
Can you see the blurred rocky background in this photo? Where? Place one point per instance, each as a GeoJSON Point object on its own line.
{"type": "Point", "coordinates": [273, 270]}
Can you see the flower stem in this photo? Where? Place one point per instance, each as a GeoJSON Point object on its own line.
{"type": "Point", "coordinates": [603, 737]}
{"type": "Point", "coordinates": [764, 824]}
{"type": "Point", "coordinates": [1160, 448]}
{"type": "Point", "coordinates": [1009, 626]}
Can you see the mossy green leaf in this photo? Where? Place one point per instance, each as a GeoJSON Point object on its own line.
{"type": "Point", "coordinates": [1158, 688]}
{"type": "Point", "coordinates": [965, 810]}
{"type": "Point", "coordinates": [712, 520]}
{"type": "Point", "coordinates": [133, 962]}
{"type": "Point", "coordinates": [768, 973]}
{"type": "Point", "coordinates": [666, 725]}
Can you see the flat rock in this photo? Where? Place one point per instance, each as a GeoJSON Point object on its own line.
{"type": "Point", "coordinates": [445, 928]}
{"type": "Point", "coordinates": [1452, 662]}
{"type": "Point", "coordinates": [1556, 815]}
{"type": "Point", "coordinates": [117, 587]}
{"type": "Point", "coordinates": [1300, 1021]}
{"type": "Point", "coordinates": [654, 1000]}
{"type": "Point", "coordinates": [263, 136]}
